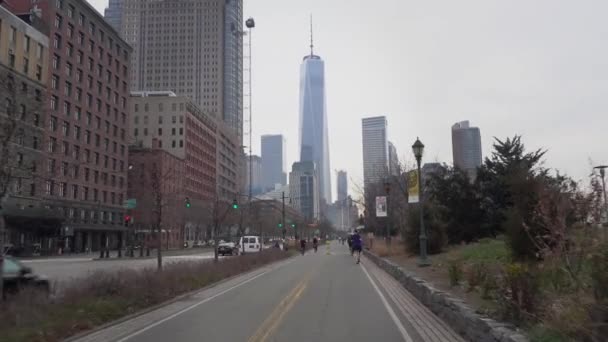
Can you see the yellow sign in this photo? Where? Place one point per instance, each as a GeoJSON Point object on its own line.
{"type": "Point", "coordinates": [413, 188]}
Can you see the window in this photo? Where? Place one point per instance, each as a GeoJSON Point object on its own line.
{"type": "Point", "coordinates": [78, 94]}
{"type": "Point", "coordinates": [145, 131]}
{"type": "Point", "coordinates": [97, 122]}
{"type": "Point", "coordinates": [136, 120]}
{"type": "Point", "coordinates": [19, 158]}
{"type": "Point", "coordinates": [105, 161]}
{"type": "Point", "coordinates": [68, 89]}
{"type": "Point", "coordinates": [96, 176]}
{"type": "Point", "coordinates": [76, 132]}
{"type": "Point", "coordinates": [145, 119]}
{"type": "Point", "coordinates": [74, 191]}
{"type": "Point", "coordinates": [54, 82]}
{"type": "Point", "coordinates": [62, 189]}
{"type": "Point", "coordinates": [65, 148]}
{"type": "Point", "coordinates": [22, 112]}
{"type": "Point", "coordinates": [173, 143]}
{"type": "Point", "coordinates": [53, 123]}
{"type": "Point", "coordinates": [79, 76]}
{"type": "Point", "coordinates": [68, 69]}
{"type": "Point", "coordinates": [38, 72]}
{"type": "Point", "coordinates": [77, 113]}
{"type": "Point", "coordinates": [122, 134]}
{"type": "Point", "coordinates": [64, 169]}
{"type": "Point", "coordinates": [80, 39]}
{"type": "Point", "coordinates": [173, 131]}
{"type": "Point", "coordinates": [65, 128]}
{"type": "Point", "coordinates": [66, 108]}
{"type": "Point", "coordinates": [12, 36]}
{"type": "Point", "coordinates": [87, 137]}
{"type": "Point", "coordinates": [26, 43]}
{"type": "Point", "coordinates": [39, 49]}
{"type": "Point", "coordinates": [70, 11]}
{"type": "Point", "coordinates": [114, 130]}
{"type": "Point", "coordinates": [85, 196]}
{"type": "Point", "coordinates": [79, 57]}
{"type": "Point", "coordinates": [174, 119]}
{"type": "Point", "coordinates": [87, 155]}
{"type": "Point", "coordinates": [35, 143]}
{"type": "Point", "coordinates": [87, 174]}
{"type": "Point", "coordinates": [106, 144]}
{"type": "Point", "coordinates": [59, 4]}
{"type": "Point", "coordinates": [36, 120]}
{"type": "Point", "coordinates": [57, 42]}
{"type": "Point", "coordinates": [49, 187]}
{"type": "Point", "coordinates": [54, 101]}
{"type": "Point", "coordinates": [181, 131]}
{"type": "Point", "coordinates": [88, 119]}
{"type": "Point", "coordinates": [97, 140]}
{"type": "Point", "coordinates": [181, 143]}
{"type": "Point", "coordinates": [135, 132]}
{"type": "Point", "coordinates": [70, 30]}
{"type": "Point", "coordinates": [160, 119]}
{"type": "Point", "coordinates": [50, 166]}
{"type": "Point", "coordinates": [76, 152]}
{"type": "Point", "coordinates": [160, 131]}
{"type": "Point", "coordinates": [26, 65]}
{"type": "Point", "coordinates": [52, 145]}
{"type": "Point", "coordinates": [181, 119]}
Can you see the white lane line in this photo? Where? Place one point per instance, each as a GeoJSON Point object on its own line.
{"type": "Point", "coordinates": [388, 307]}
{"type": "Point", "coordinates": [138, 332]}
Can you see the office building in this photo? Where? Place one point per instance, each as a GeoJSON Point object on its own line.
{"type": "Point", "coordinates": [86, 137]}
{"type": "Point", "coordinates": [393, 160]}
{"type": "Point", "coordinates": [23, 80]}
{"type": "Point", "coordinates": [314, 143]}
{"type": "Point", "coordinates": [375, 150]}
{"type": "Point", "coordinates": [304, 190]}
{"type": "Point", "coordinates": [256, 174]}
{"type": "Point", "coordinates": [273, 161]}
{"type": "Point", "coordinates": [466, 147]}
{"type": "Point", "coordinates": [191, 47]}
{"type": "Point", "coordinates": [342, 188]}
{"type": "Point", "coordinates": [156, 173]}
{"type": "Point", "coordinates": [113, 14]}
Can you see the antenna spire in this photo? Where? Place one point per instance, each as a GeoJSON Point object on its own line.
{"type": "Point", "coordinates": [311, 37]}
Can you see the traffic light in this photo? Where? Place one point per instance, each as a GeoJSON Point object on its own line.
{"type": "Point", "coordinates": [235, 204]}
{"type": "Point", "coordinates": [293, 225]}
{"type": "Point", "coordinates": [280, 225]}
{"type": "Point", "coordinates": [127, 220]}
{"type": "Point", "coordinates": [188, 205]}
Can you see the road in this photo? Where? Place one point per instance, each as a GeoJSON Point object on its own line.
{"type": "Point", "coordinates": [65, 269]}
{"type": "Point", "coordinates": [315, 297]}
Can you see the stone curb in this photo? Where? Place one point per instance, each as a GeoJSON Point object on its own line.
{"type": "Point", "coordinates": [454, 312]}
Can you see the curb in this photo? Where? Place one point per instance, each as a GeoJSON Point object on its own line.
{"type": "Point", "coordinates": [455, 312]}
{"type": "Point", "coordinates": [163, 304]}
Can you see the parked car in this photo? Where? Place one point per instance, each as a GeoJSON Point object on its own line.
{"type": "Point", "coordinates": [17, 276]}
{"type": "Point", "coordinates": [250, 244]}
{"type": "Point", "coordinates": [227, 248]}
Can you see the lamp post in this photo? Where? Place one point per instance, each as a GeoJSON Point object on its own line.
{"type": "Point", "coordinates": [418, 149]}
{"type": "Point", "coordinates": [250, 23]}
{"type": "Point", "coordinates": [387, 189]}
{"type": "Point", "coordinates": [602, 169]}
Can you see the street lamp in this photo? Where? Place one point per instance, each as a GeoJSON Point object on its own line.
{"type": "Point", "coordinates": [250, 24]}
{"type": "Point", "coordinates": [418, 149]}
{"type": "Point", "coordinates": [602, 169]}
{"type": "Point", "coordinates": [387, 189]}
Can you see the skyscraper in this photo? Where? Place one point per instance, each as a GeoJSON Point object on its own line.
{"type": "Point", "coordinates": [375, 150]}
{"type": "Point", "coordinates": [273, 161]}
{"type": "Point", "coordinates": [256, 174]}
{"type": "Point", "coordinates": [466, 147]}
{"type": "Point", "coordinates": [304, 189]}
{"type": "Point", "coordinates": [191, 47]}
{"type": "Point", "coordinates": [314, 143]}
{"type": "Point", "coordinates": [342, 181]}
{"type": "Point", "coordinates": [393, 160]}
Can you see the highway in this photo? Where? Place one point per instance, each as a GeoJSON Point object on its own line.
{"type": "Point", "coordinates": [322, 296]}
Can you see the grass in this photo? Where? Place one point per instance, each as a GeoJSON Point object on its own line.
{"type": "Point", "coordinates": [104, 297]}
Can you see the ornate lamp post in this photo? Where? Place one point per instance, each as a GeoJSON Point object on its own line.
{"type": "Point", "coordinates": [418, 149]}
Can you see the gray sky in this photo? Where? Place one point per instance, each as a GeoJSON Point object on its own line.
{"type": "Point", "coordinates": [538, 68]}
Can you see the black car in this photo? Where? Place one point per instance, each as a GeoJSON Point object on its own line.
{"type": "Point", "coordinates": [227, 248]}
{"type": "Point", "coordinates": [17, 276]}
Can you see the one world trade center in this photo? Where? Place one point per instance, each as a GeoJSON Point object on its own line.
{"type": "Point", "coordinates": [314, 144]}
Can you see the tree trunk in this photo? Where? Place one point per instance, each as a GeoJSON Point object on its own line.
{"type": "Point", "coordinates": [159, 256]}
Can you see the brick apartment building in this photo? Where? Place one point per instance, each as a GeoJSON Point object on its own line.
{"type": "Point", "coordinates": [86, 135]}
{"type": "Point", "coordinates": [156, 181]}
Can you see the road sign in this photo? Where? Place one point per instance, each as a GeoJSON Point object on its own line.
{"type": "Point", "coordinates": [130, 203]}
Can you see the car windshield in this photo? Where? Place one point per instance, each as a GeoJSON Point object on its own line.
{"type": "Point", "coordinates": [11, 266]}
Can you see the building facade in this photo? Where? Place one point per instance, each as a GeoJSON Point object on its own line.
{"type": "Point", "coordinates": [274, 159]}
{"type": "Point", "coordinates": [466, 147]}
{"type": "Point", "coordinates": [256, 175]}
{"type": "Point", "coordinates": [86, 129]}
{"type": "Point", "coordinates": [32, 222]}
{"type": "Point", "coordinates": [113, 14]}
{"type": "Point", "coordinates": [314, 140]}
{"type": "Point", "coordinates": [175, 124]}
{"type": "Point", "coordinates": [393, 160]}
{"type": "Point", "coordinates": [191, 47]}
{"type": "Point", "coordinates": [304, 190]}
{"type": "Point", "coordinates": [375, 150]}
{"type": "Point", "coordinates": [342, 186]}
{"type": "Point", "coordinates": [156, 180]}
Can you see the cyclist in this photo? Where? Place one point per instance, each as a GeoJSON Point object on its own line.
{"type": "Point", "coordinates": [314, 243]}
{"type": "Point", "coordinates": [303, 245]}
{"type": "Point", "coordinates": [357, 245]}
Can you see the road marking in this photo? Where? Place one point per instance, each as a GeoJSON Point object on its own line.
{"type": "Point", "coordinates": [270, 325]}
{"type": "Point", "coordinates": [155, 324]}
{"type": "Point", "coordinates": [388, 307]}
{"type": "Point", "coordinates": [39, 261]}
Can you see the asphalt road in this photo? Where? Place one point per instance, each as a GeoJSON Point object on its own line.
{"type": "Point", "coordinates": [316, 297]}
{"type": "Point", "coordinates": [64, 269]}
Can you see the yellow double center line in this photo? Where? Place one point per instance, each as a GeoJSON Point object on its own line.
{"type": "Point", "coordinates": [273, 321]}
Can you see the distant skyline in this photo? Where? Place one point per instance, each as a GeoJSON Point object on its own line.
{"type": "Point", "coordinates": [539, 69]}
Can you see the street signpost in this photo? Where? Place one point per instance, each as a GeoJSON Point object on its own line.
{"type": "Point", "coordinates": [130, 203]}
{"type": "Point", "coordinates": [381, 210]}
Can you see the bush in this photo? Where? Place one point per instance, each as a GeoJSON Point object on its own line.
{"type": "Point", "coordinates": [455, 272]}
{"type": "Point", "coordinates": [105, 296]}
{"type": "Point", "coordinates": [519, 292]}
{"type": "Point", "coordinates": [476, 275]}
{"type": "Point", "coordinates": [435, 230]}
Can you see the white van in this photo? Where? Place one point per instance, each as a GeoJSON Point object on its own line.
{"type": "Point", "coordinates": [250, 244]}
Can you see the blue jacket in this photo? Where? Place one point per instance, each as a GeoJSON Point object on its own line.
{"type": "Point", "coordinates": [357, 240]}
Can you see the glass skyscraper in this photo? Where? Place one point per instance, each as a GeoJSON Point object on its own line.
{"type": "Point", "coordinates": [314, 144]}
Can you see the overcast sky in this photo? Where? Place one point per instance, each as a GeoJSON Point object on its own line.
{"type": "Point", "coordinates": [538, 68]}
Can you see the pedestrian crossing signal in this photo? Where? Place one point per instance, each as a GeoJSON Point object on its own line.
{"type": "Point", "coordinates": [187, 202]}
{"type": "Point", "coordinates": [235, 204]}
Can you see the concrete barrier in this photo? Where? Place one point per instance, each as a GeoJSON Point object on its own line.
{"type": "Point", "coordinates": [454, 312]}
